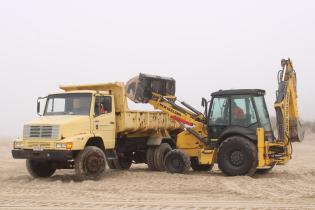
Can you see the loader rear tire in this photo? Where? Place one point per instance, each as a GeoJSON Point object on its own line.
{"type": "Point", "coordinates": [159, 155]}
{"type": "Point", "coordinates": [90, 164]}
{"type": "Point", "coordinates": [237, 156]}
{"type": "Point", "coordinates": [40, 169]}
{"type": "Point", "coordinates": [201, 167]}
{"type": "Point", "coordinates": [177, 161]}
{"type": "Point", "coordinates": [150, 158]}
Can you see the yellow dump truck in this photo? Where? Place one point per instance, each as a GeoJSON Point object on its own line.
{"type": "Point", "coordinates": [86, 126]}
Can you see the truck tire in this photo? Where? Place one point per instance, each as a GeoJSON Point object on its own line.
{"type": "Point", "coordinates": [201, 167]}
{"type": "Point", "coordinates": [159, 155]}
{"type": "Point", "coordinates": [123, 163]}
{"type": "Point", "coordinates": [90, 164]}
{"type": "Point", "coordinates": [40, 169]}
{"type": "Point", "coordinates": [150, 158]}
{"type": "Point", "coordinates": [176, 161]}
{"type": "Point", "coordinates": [237, 156]}
{"type": "Point", "coordinates": [111, 164]}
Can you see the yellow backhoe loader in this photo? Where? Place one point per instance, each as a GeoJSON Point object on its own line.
{"type": "Point", "coordinates": [234, 131]}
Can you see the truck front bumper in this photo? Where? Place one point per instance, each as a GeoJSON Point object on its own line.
{"type": "Point", "coordinates": [42, 155]}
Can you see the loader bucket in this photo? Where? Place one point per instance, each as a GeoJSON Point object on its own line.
{"type": "Point", "coordinates": [140, 88]}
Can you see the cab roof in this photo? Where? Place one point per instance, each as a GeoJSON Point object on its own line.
{"type": "Point", "coordinates": [232, 92]}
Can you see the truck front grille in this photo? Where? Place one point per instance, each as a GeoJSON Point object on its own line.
{"type": "Point", "coordinates": [44, 145]}
{"type": "Point", "coordinates": [41, 131]}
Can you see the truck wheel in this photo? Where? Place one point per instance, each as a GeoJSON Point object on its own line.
{"type": "Point", "coordinates": [150, 158]}
{"type": "Point", "coordinates": [159, 155]}
{"type": "Point", "coordinates": [90, 164]}
{"type": "Point", "coordinates": [111, 164]}
{"type": "Point", "coordinates": [40, 169]}
{"type": "Point", "coordinates": [123, 163]}
{"type": "Point", "coordinates": [237, 156]}
{"type": "Point", "coordinates": [176, 161]}
{"type": "Point", "coordinates": [201, 167]}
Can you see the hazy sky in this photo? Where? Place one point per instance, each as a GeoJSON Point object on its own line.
{"type": "Point", "coordinates": [204, 45]}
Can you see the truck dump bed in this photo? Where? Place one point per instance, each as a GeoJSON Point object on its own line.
{"type": "Point", "coordinates": [140, 121]}
{"type": "Point", "coordinates": [129, 121]}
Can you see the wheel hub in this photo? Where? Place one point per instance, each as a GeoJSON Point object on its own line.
{"type": "Point", "coordinates": [237, 158]}
{"type": "Point", "coordinates": [176, 163]}
{"type": "Point", "coordinates": [93, 163]}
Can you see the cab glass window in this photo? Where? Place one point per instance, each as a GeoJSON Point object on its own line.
{"type": "Point", "coordinates": [219, 112]}
{"type": "Point", "coordinates": [243, 112]}
{"type": "Point", "coordinates": [263, 113]}
{"type": "Point", "coordinates": [103, 105]}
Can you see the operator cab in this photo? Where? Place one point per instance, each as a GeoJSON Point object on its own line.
{"type": "Point", "coordinates": [238, 112]}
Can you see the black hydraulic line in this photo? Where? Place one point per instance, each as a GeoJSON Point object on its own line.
{"type": "Point", "coordinates": [175, 106]}
{"type": "Point", "coordinates": [191, 108]}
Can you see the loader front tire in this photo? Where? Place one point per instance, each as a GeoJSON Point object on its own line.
{"type": "Point", "coordinates": [159, 155]}
{"type": "Point", "coordinates": [177, 161]}
{"type": "Point", "coordinates": [90, 164]}
{"type": "Point", "coordinates": [237, 156]}
{"type": "Point", "coordinates": [40, 169]}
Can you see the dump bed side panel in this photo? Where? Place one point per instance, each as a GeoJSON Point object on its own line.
{"type": "Point", "coordinates": [142, 121]}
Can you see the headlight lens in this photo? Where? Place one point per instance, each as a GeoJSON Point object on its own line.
{"type": "Point", "coordinates": [67, 145]}
{"type": "Point", "coordinates": [18, 144]}
{"type": "Point", "coordinates": [61, 145]}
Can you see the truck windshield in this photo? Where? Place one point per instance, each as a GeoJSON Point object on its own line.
{"type": "Point", "coordinates": [68, 104]}
{"type": "Point", "coordinates": [263, 113]}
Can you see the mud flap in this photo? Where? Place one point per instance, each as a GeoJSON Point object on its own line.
{"type": "Point", "coordinates": [140, 88]}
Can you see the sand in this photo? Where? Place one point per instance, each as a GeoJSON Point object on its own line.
{"type": "Point", "coordinates": [287, 187]}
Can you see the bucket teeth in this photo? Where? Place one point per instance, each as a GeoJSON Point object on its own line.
{"type": "Point", "coordinates": [140, 88]}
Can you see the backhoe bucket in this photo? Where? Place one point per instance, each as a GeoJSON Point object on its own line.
{"type": "Point", "coordinates": [140, 88]}
{"type": "Point", "coordinates": [297, 131]}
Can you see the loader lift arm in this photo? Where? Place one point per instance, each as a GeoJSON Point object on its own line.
{"type": "Point", "coordinates": [185, 116]}
{"type": "Point", "coordinates": [160, 93]}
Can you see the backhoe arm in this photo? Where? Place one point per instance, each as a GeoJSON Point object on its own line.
{"type": "Point", "coordinates": [289, 126]}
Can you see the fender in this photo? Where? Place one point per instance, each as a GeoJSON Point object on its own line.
{"type": "Point", "coordinates": [79, 141]}
{"type": "Point", "coordinates": [248, 133]}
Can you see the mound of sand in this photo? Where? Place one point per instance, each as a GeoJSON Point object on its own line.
{"type": "Point", "coordinates": [288, 187]}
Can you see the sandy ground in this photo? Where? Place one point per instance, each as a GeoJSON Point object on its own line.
{"type": "Point", "coordinates": [287, 187]}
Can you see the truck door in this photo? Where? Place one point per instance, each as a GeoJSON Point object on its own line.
{"type": "Point", "coordinates": [104, 120]}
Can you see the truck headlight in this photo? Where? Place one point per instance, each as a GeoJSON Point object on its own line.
{"type": "Point", "coordinates": [61, 145]}
{"type": "Point", "coordinates": [18, 145]}
{"type": "Point", "coordinates": [67, 145]}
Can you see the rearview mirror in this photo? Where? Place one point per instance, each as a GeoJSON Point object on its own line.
{"type": "Point", "coordinates": [204, 103]}
{"type": "Point", "coordinates": [38, 107]}
{"type": "Point", "coordinates": [39, 99]}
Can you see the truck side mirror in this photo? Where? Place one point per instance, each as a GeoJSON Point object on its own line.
{"type": "Point", "coordinates": [38, 107]}
{"type": "Point", "coordinates": [38, 104]}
